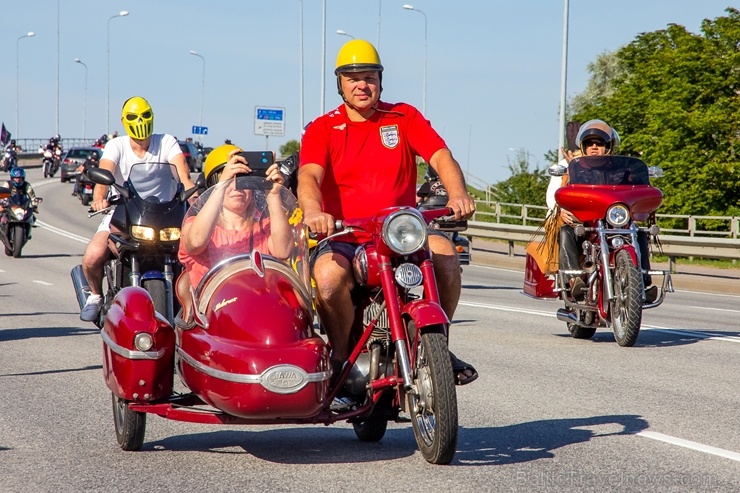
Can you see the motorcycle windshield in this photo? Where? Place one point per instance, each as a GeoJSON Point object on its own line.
{"type": "Point", "coordinates": [238, 217]}
{"type": "Point", "coordinates": [20, 200]}
{"type": "Point", "coordinates": [608, 170]}
{"type": "Point", "coordinates": [154, 182]}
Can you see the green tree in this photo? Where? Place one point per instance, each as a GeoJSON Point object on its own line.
{"type": "Point", "coordinates": [290, 147]}
{"type": "Point", "coordinates": [675, 104]}
{"type": "Point", "coordinates": [523, 186]}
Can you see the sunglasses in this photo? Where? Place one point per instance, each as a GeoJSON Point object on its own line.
{"type": "Point", "coordinates": [146, 115]}
{"type": "Point", "coordinates": [596, 142]}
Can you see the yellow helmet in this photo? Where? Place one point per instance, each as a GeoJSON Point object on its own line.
{"type": "Point", "coordinates": [357, 55]}
{"type": "Point", "coordinates": [215, 162]}
{"type": "Point", "coordinates": [137, 118]}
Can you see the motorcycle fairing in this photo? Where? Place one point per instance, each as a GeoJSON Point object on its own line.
{"type": "Point", "coordinates": [590, 202]}
{"type": "Point", "coordinates": [129, 373]}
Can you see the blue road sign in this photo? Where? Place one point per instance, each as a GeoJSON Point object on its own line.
{"type": "Point", "coordinates": [199, 130]}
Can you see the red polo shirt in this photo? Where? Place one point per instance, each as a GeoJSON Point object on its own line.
{"type": "Point", "coordinates": [369, 165]}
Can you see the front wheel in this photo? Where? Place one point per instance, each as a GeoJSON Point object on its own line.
{"type": "Point", "coordinates": [130, 425]}
{"type": "Point", "coordinates": [157, 291]}
{"type": "Point", "coordinates": [433, 407]}
{"type": "Point", "coordinates": [19, 237]}
{"type": "Point", "coordinates": [626, 308]}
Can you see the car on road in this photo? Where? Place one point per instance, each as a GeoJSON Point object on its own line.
{"type": "Point", "coordinates": [73, 158]}
{"type": "Point", "coordinates": [192, 156]}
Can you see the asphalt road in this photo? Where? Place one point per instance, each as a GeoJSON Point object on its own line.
{"type": "Point", "coordinates": [548, 413]}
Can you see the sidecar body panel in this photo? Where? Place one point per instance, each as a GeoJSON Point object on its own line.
{"type": "Point", "coordinates": [258, 357]}
{"type": "Point", "coordinates": [129, 372]}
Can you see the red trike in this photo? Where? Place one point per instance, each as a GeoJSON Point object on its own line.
{"type": "Point", "coordinates": [251, 353]}
{"type": "Point", "coordinates": [609, 195]}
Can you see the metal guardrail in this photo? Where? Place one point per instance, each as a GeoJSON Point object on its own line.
{"type": "Point", "coordinates": [672, 245]}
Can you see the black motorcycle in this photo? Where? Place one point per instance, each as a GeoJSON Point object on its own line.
{"type": "Point", "coordinates": [145, 234]}
{"type": "Point", "coordinates": [16, 221]}
{"type": "Point", "coordinates": [85, 188]}
{"type": "Point", "coordinates": [436, 198]}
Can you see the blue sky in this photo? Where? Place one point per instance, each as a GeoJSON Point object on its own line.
{"type": "Point", "coordinates": [493, 67]}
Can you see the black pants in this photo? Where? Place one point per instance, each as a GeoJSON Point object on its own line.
{"type": "Point", "coordinates": [570, 251]}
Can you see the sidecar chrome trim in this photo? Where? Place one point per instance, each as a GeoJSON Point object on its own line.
{"type": "Point", "coordinates": [280, 379]}
{"type": "Point", "coordinates": [128, 353]}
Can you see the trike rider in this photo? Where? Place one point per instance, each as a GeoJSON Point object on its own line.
{"type": "Point", "coordinates": [357, 159]}
{"type": "Point", "coordinates": [595, 138]}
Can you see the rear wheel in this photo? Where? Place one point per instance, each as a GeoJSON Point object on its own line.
{"type": "Point", "coordinates": [19, 235]}
{"type": "Point", "coordinates": [578, 332]}
{"type": "Point", "coordinates": [626, 309]}
{"type": "Point", "coordinates": [130, 425]}
{"type": "Point", "coordinates": [372, 429]}
{"type": "Point", "coordinates": [86, 199]}
{"type": "Point", "coordinates": [433, 407]}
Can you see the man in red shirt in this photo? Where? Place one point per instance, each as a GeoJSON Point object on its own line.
{"type": "Point", "coordinates": [358, 159]}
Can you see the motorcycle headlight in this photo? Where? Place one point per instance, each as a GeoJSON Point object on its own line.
{"type": "Point", "coordinates": [19, 213]}
{"type": "Point", "coordinates": [404, 231]}
{"type": "Point", "coordinates": [142, 233]}
{"type": "Point", "coordinates": [618, 215]}
{"type": "Point", "coordinates": [169, 234]}
{"type": "Point", "coordinates": [143, 341]}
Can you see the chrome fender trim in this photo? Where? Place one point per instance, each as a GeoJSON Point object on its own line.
{"type": "Point", "coordinates": [280, 379]}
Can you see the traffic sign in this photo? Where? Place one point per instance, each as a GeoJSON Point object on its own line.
{"type": "Point", "coordinates": [199, 130]}
{"type": "Point", "coordinates": [269, 121]}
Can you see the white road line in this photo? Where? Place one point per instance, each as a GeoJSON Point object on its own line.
{"type": "Point", "coordinates": [64, 233]}
{"type": "Point", "coordinates": [699, 334]}
{"type": "Point", "coordinates": [714, 309]}
{"type": "Point", "coordinates": [700, 447]}
{"type": "Point", "coordinates": [43, 283]}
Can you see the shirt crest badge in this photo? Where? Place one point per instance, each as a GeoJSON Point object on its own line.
{"type": "Point", "coordinates": [389, 136]}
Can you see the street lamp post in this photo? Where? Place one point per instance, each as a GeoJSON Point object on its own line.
{"type": "Point", "coordinates": [84, 105]}
{"type": "Point", "coordinates": [122, 13]}
{"type": "Point", "coordinates": [342, 33]}
{"type": "Point", "coordinates": [17, 81]}
{"type": "Point", "coordinates": [424, 87]}
{"type": "Point", "coordinates": [202, 83]}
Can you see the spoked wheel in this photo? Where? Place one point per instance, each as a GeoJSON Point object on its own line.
{"type": "Point", "coordinates": [130, 425]}
{"type": "Point", "coordinates": [626, 309]}
{"type": "Point", "coordinates": [433, 408]}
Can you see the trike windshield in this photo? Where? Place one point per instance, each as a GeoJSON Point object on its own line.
{"type": "Point", "coordinates": [608, 170]}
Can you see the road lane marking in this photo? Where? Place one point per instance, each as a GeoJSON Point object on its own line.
{"type": "Point", "coordinates": [62, 232]}
{"type": "Point", "coordinates": [700, 447]}
{"type": "Point", "coordinates": [43, 283]}
{"type": "Point", "coordinates": [698, 334]}
{"type": "Point", "coordinates": [714, 309]}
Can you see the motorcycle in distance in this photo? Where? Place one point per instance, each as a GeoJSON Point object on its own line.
{"type": "Point", "coordinates": [148, 210]}
{"type": "Point", "coordinates": [608, 195]}
{"type": "Point", "coordinates": [16, 220]}
{"type": "Point", "coordinates": [10, 159]}
{"type": "Point", "coordinates": [51, 162]}
{"type": "Point", "coordinates": [85, 189]}
{"type": "Point", "coordinates": [250, 354]}
{"type": "Point", "coordinates": [436, 198]}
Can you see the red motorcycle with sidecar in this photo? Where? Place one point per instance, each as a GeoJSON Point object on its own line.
{"type": "Point", "coordinates": [251, 354]}
{"type": "Point", "coordinates": [609, 196]}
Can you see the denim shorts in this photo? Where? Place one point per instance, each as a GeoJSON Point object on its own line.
{"type": "Point", "coordinates": [346, 250]}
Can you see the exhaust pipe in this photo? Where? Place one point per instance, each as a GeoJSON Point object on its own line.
{"type": "Point", "coordinates": [82, 288]}
{"type": "Point", "coordinates": [566, 316]}
{"type": "Point", "coordinates": [589, 267]}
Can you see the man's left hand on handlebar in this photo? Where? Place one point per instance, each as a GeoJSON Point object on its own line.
{"type": "Point", "coordinates": [463, 206]}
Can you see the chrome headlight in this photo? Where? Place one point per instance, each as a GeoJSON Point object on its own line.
{"type": "Point", "coordinates": [404, 231]}
{"type": "Point", "coordinates": [618, 215]}
{"type": "Point", "coordinates": [142, 233]}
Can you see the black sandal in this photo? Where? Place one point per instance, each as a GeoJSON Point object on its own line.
{"type": "Point", "coordinates": [459, 367]}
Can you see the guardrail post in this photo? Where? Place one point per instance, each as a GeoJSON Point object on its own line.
{"type": "Point", "coordinates": [672, 264]}
{"type": "Point", "coordinates": [511, 248]}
